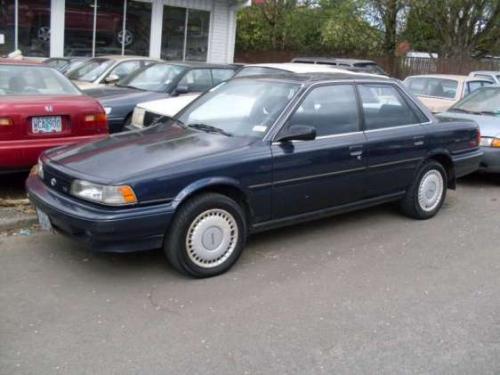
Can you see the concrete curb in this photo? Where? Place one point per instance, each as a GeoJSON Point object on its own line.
{"type": "Point", "coordinates": [12, 219]}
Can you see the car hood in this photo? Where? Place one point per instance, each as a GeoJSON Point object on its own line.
{"type": "Point", "coordinates": [168, 106]}
{"type": "Point", "coordinates": [125, 156]}
{"type": "Point", "coordinates": [83, 85]}
{"type": "Point", "coordinates": [488, 125]}
{"type": "Point", "coordinates": [117, 95]}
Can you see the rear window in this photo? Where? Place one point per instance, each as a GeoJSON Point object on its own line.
{"type": "Point", "coordinates": [435, 87]}
{"type": "Point", "coordinates": [91, 70]}
{"type": "Point", "coordinates": [29, 80]}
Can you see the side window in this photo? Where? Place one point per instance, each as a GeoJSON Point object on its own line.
{"type": "Point", "coordinates": [197, 80]}
{"type": "Point", "coordinates": [330, 109]}
{"type": "Point", "coordinates": [384, 107]}
{"type": "Point", "coordinates": [125, 68]}
{"type": "Point", "coordinates": [220, 75]}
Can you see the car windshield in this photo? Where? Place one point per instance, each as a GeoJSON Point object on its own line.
{"type": "Point", "coordinates": [483, 101]}
{"type": "Point", "coordinates": [156, 77]}
{"type": "Point", "coordinates": [29, 80]}
{"type": "Point", "coordinates": [435, 87]}
{"type": "Point", "coordinates": [242, 107]}
{"type": "Point", "coordinates": [90, 70]}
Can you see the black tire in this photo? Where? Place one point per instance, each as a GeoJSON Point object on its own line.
{"type": "Point", "coordinates": [410, 204]}
{"type": "Point", "coordinates": [213, 205]}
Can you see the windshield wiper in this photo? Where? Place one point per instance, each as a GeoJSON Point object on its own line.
{"type": "Point", "coordinates": [209, 129]}
{"type": "Point", "coordinates": [489, 113]}
{"type": "Point", "coordinates": [461, 110]}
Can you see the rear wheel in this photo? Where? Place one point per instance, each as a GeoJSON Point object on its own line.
{"type": "Point", "coordinates": [207, 236]}
{"type": "Point", "coordinates": [427, 193]}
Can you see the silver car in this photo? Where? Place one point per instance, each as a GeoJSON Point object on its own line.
{"type": "Point", "coordinates": [105, 70]}
{"type": "Point", "coordinates": [483, 107]}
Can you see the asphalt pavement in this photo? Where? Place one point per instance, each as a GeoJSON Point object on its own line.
{"type": "Point", "coordinates": [369, 292]}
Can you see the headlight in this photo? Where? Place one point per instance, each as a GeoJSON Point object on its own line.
{"type": "Point", "coordinates": [490, 142]}
{"type": "Point", "coordinates": [104, 194]}
{"type": "Point", "coordinates": [138, 117]}
{"type": "Point", "coordinates": [37, 170]}
{"type": "Point", "coordinates": [108, 110]}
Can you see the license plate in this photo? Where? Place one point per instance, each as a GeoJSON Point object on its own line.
{"type": "Point", "coordinates": [47, 124]}
{"type": "Point", "coordinates": [43, 220]}
{"type": "Point", "coordinates": [138, 117]}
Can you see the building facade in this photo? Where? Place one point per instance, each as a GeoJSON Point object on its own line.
{"type": "Point", "coordinates": [193, 30]}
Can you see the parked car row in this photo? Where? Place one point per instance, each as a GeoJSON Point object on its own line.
{"type": "Point", "coordinates": [223, 151]}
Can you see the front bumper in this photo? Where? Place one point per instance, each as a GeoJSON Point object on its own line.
{"type": "Point", "coordinates": [490, 162]}
{"type": "Point", "coordinates": [105, 229]}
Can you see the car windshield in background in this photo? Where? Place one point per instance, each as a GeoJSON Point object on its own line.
{"type": "Point", "coordinates": [258, 70]}
{"type": "Point", "coordinates": [370, 68]}
{"type": "Point", "coordinates": [241, 107]}
{"type": "Point", "coordinates": [435, 87]}
{"type": "Point", "coordinates": [29, 80]}
{"type": "Point", "coordinates": [90, 70]}
{"type": "Point", "coordinates": [484, 101]}
{"type": "Point", "coordinates": [156, 77]}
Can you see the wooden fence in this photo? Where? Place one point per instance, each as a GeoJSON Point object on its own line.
{"type": "Point", "coordinates": [400, 67]}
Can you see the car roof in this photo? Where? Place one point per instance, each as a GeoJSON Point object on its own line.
{"type": "Point", "coordinates": [485, 71]}
{"type": "Point", "coordinates": [198, 64]}
{"type": "Point", "coordinates": [310, 68]}
{"type": "Point", "coordinates": [126, 57]}
{"type": "Point", "coordinates": [335, 60]}
{"type": "Point", "coordinates": [19, 62]}
{"type": "Point", "coordinates": [457, 77]}
{"type": "Point", "coordinates": [312, 78]}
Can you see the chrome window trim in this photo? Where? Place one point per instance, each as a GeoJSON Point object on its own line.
{"type": "Point", "coordinates": [398, 127]}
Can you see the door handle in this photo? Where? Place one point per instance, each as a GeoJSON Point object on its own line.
{"type": "Point", "coordinates": [356, 151]}
{"type": "Point", "coordinates": [418, 140]}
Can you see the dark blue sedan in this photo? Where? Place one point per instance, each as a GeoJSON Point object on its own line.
{"type": "Point", "coordinates": [253, 154]}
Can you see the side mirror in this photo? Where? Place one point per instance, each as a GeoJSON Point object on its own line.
{"type": "Point", "coordinates": [298, 133]}
{"type": "Point", "coordinates": [112, 78]}
{"type": "Point", "coordinates": [182, 89]}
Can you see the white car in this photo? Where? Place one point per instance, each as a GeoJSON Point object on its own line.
{"type": "Point", "coordinates": [147, 113]}
{"type": "Point", "coordinates": [493, 76]}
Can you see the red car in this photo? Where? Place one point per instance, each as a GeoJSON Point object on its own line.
{"type": "Point", "coordinates": [39, 109]}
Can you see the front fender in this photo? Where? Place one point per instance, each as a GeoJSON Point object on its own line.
{"type": "Point", "coordinates": [205, 183]}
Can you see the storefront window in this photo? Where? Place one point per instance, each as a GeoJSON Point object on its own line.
{"type": "Point", "coordinates": [79, 25]}
{"type": "Point", "coordinates": [181, 43]}
{"type": "Point", "coordinates": [34, 27]}
{"type": "Point", "coordinates": [172, 40]}
{"type": "Point", "coordinates": [112, 35]}
{"type": "Point", "coordinates": [7, 26]}
{"type": "Point", "coordinates": [197, 35]}
{"type": "Point", "coordinates": [138, 28]}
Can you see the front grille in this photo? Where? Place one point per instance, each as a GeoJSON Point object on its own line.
{"type": "Point", "coordinates": [150, 118]}
{"type": "Point", "coordinates": [56, 180]}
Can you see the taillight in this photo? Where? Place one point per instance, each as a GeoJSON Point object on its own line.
{"type": "Point", "coordinates": [96, 118]}
{"type": "Point", "coordinates": [6, 121]}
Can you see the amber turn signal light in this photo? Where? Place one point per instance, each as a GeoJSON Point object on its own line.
{"type": "Point", "coordinates": [495, 143]}
{"type": "Point", "coordinates": [98, 117]}
{"type": "Point", "coordinates": [128, 194]}
{"type": "Point", "coordinates": [6, 121]}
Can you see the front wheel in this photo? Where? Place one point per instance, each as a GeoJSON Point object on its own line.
{"type": "Point", "coordinates": [427, 193]}
{"type": "Point", "coordinates": [207, 236]}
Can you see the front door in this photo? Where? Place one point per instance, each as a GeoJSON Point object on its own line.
{"type": "Point", "coordinates": [325, 172]}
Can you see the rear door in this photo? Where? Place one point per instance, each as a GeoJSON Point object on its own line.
{"type": "Point", "coordinates": [327, 171]}
{"type": "Point", "coordinates": [395, 135]}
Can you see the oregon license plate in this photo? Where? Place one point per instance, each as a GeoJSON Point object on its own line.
{"type": "Point", "coordinates": [43, 220]}
{"type": "Point", "coordinates": [46, 124]}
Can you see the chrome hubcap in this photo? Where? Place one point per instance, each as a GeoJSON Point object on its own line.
{"type": "Point", "coordinates": [430, 190]}
{"type": "Point", "coordinates": [212, 238]}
